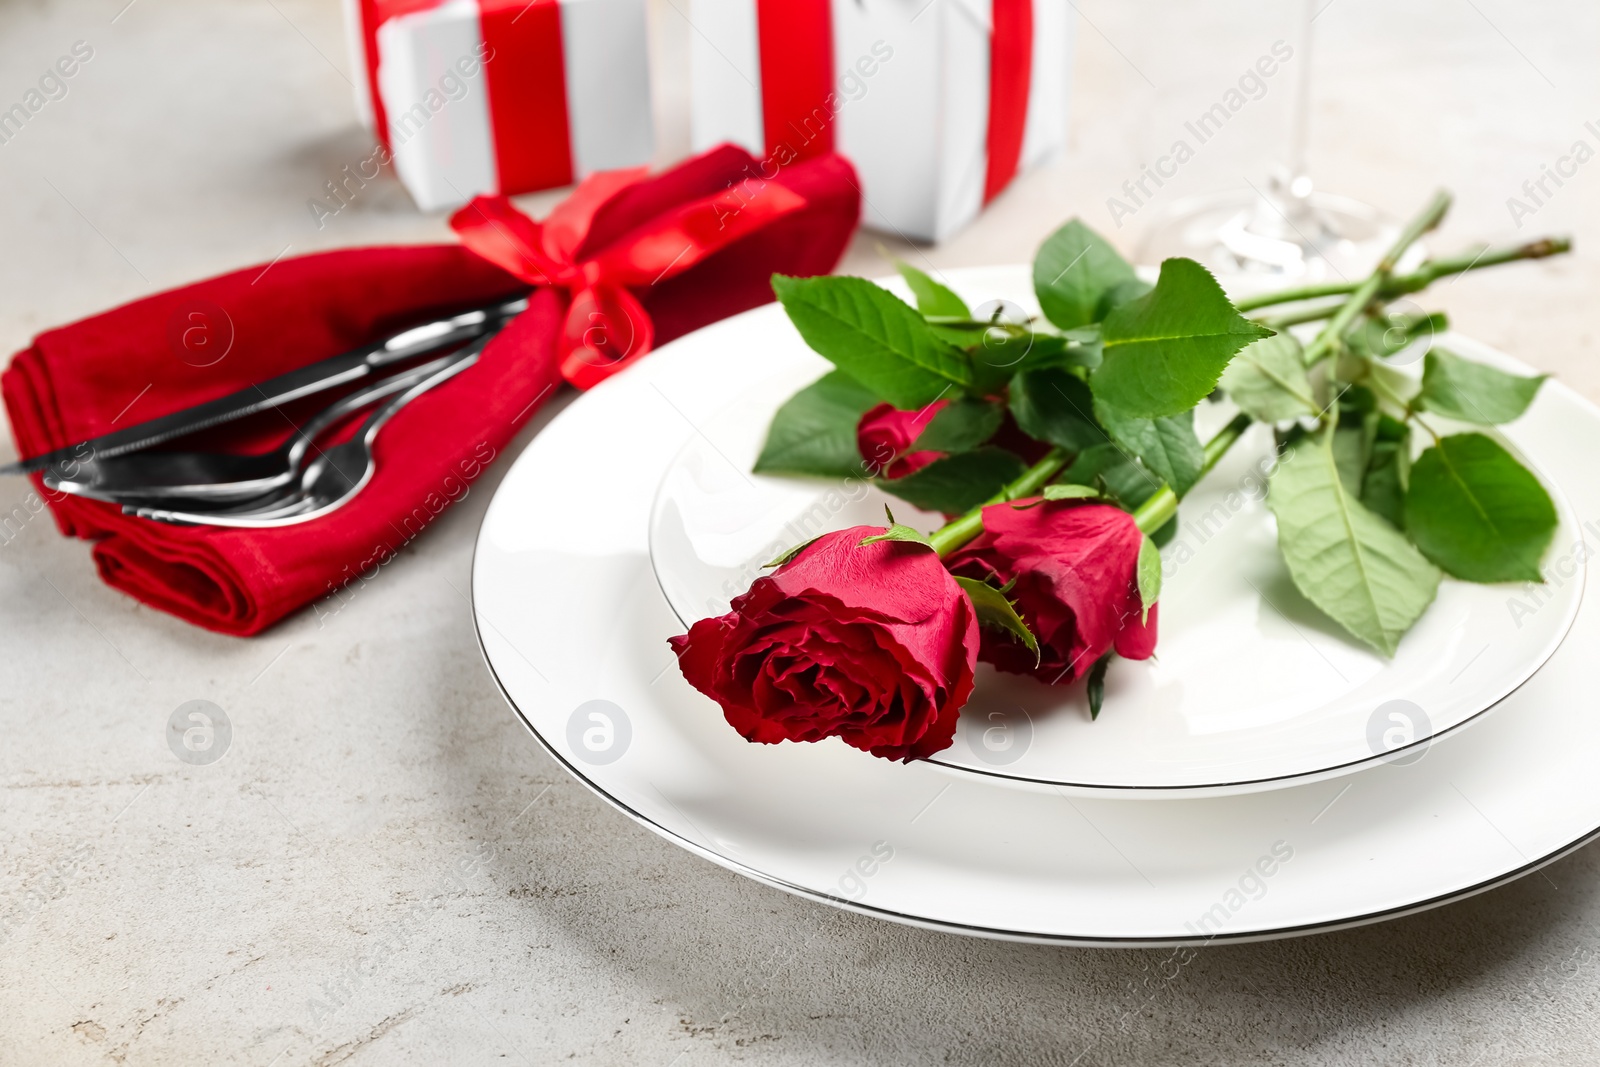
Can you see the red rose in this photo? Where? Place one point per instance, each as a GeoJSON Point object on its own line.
{"type": "Point", "coordinates": [1075, 567]}
{"type": "Point", "coordinates": [874, 644]}
{"type": "Point", "coordinates": [885, 434]}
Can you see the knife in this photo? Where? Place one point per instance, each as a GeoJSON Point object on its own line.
{"type": "Point", "coordinates": [306, 381]}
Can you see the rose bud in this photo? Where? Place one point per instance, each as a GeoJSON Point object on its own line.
{"type": "Point", "coordinates": [885, 434]}
{"type": "Point", "coordinates": [874, 644]}
{"type": "Point", "coordinates": [1075, 567]}
{"type": "Point", "coordinates": [885, 437]}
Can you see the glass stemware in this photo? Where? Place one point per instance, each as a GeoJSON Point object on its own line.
{"type": "Point", "coordinates": [1284, 228]}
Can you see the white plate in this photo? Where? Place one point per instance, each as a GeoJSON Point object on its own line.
{"type": "Point", "coordinates": [1251, 687]}
{"type": "Point", "coordinates": [574, 628]}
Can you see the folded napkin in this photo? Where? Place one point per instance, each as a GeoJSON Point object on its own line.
{"type": "Point", "coordinates": [626, 262]}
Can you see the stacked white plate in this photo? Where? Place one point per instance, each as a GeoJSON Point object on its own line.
{"type": "Point", "coordinates": [1262, 776]}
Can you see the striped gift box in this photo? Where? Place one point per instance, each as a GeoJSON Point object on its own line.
{"type": "Point", "coordinates": [503, 96]}
{"type": "Point", "coordinates": [938, 103]}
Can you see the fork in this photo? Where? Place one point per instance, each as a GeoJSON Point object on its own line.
{"type": "Point", "coordinates": [335, 476]}
{"type": "Point", "coordinates": [221, 477]}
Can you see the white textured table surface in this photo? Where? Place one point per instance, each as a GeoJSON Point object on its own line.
{"type": "Point", "coordinates": [384, 868]}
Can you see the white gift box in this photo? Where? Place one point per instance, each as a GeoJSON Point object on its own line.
{"type": "Point", "coordinates": [910, 104]}
{"type": "Point", "coordinates": [503, 96]}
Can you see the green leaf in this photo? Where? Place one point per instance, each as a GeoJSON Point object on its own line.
{"type": "Point", "coordinates": [957, 483]}
{"type": "Point", "coordinates": [1352, 452]}
{"type": "Point", "coordinates": [1395, 382]}
{"type": "Point", "coordinates": [998, 360]}
{"type": "Point", "coordinates": [1001, 356]}
{"type": "Point", "coordinates": [1383, 490]}
{"type": "Point", "coordinates": [1472, 392]}
{"type": "Point", "coordinates": [1123, 293]}
{"type": "Point", "coordinates": [1055, 405]}
{"type": "Point", "coordinates": [1058, 491]}
{"type": "Point", "coordinates": [1095, 688]}
{"type": "Point", "coordinates": [961, 335]}
{"type": "Point", "coordinates": [1348, 562]}
{"type": "Point", "coordinates": [997, 612]}
{"type": "Point", "coordinates": [932, 298]}
{"type": "Point", "coordinates": [1084, 348]}
{"type": "Point", "coordinates": [875, 337]}
{"type": "Point", "coordinates": [1068, 491]}
{"type": "Point", "coordinates": [788, 556]}
{"type": "Point", "coordinates": [898, 532]}
{"type": "Point", "coordinates": [1477, 512]}
{"type": "Point", "coordinates": [1109, 467]}
{"type": "Point", "coordinates": [815, 430]}
{"type": "Point", "coordinates": [1288, 437]}
{"type": "Point", "coordinates": [1167, 446]}
{"type": "Point", "coordinates": [1352, 440]}
{"type": "Point", "coordinates": [1164, 352]}
{"type": "Point", "coordinates": [1148, 576]}
{"type": "Point", "coordinates": [959, 426]}
{"type": "Point", "coordinates": [1268, 380]}
{"type": "Point", "coordinates": [1350, 456]}
{"type": "Point", "coordinates": [1074, 271]}
{"type": "Point", "coordinates": [1381, 337]}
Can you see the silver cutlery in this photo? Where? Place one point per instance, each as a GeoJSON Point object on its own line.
{"type": "Point", "coordinates": [334, 476]}
{"type": "Point", "coordinates": [219, 478]}
{"type": "Point", "coordinates": [305, 381]}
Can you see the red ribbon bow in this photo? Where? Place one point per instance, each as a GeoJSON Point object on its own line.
{"type": "Point", "coordinates": [607, 328]}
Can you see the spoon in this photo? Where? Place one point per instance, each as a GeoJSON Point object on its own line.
{"type": "Point", "coordinates": [335, 476]}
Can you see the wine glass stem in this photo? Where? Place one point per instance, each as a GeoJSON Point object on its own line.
{"type": "Point", "coordinates": [1300, 117]}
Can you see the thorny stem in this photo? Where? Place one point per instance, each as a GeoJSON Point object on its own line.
{"type": "Point", "coordinates": [1162, 505]}
{"type": "Point", "coordinates": [1328, 340]}
{"type": "Point", "coordinates": [1151, 515]}
{"type": "Point", "coordinates": [953, 535]}
{"type": "Point", "coordinates": [1422, 277]}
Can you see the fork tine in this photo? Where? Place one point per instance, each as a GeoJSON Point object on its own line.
{"type": "Point", "coordinates": [300, 505]}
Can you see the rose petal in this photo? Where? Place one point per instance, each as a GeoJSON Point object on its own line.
{"type": "Point", "coordinates": [885, 434]}
{"type": "Point", "coordinates": [875, 644]}
{"type": "Point", "coordinates": [1074, 566]}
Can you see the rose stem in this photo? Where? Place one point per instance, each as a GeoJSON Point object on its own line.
{"type": "Point", "coordinates": [1421, 278]}
{"type": "Point", "coordinates": [1362, 294]}
{"type": "Point", "coordinates": [953, 535]}
{"type": "Point", "coordinates": [1162, 505]}
{"type": "Point", "coordinates": [1159, 509]}
{"type": "Point", "coordinates": [1314, 313]}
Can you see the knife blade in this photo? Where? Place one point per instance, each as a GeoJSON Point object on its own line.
{"type": "Point", "coordinates": [305, 381]}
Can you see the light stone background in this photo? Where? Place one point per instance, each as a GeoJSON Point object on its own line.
{"type": "Point", "coordinates": [385, 869]}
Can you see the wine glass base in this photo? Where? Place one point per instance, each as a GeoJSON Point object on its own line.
{"type": "Point", "coordinates": [1320, 237]}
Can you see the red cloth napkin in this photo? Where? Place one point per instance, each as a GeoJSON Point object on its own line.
{"type": "Point", "coordinates": [122, 367]}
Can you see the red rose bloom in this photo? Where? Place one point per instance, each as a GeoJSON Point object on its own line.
{"type": "Point", "coordinates": [1075, 566]}
{"type": "Point", "coordinates": [885, 434]}
{"type": "Point", "coordinates": [874, 644]}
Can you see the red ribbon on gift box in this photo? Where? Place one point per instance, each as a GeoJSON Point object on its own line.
{"type": "Point", "coordinates": [606, 327]}
{"type": "Point", "coordinates": [795, 44]}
